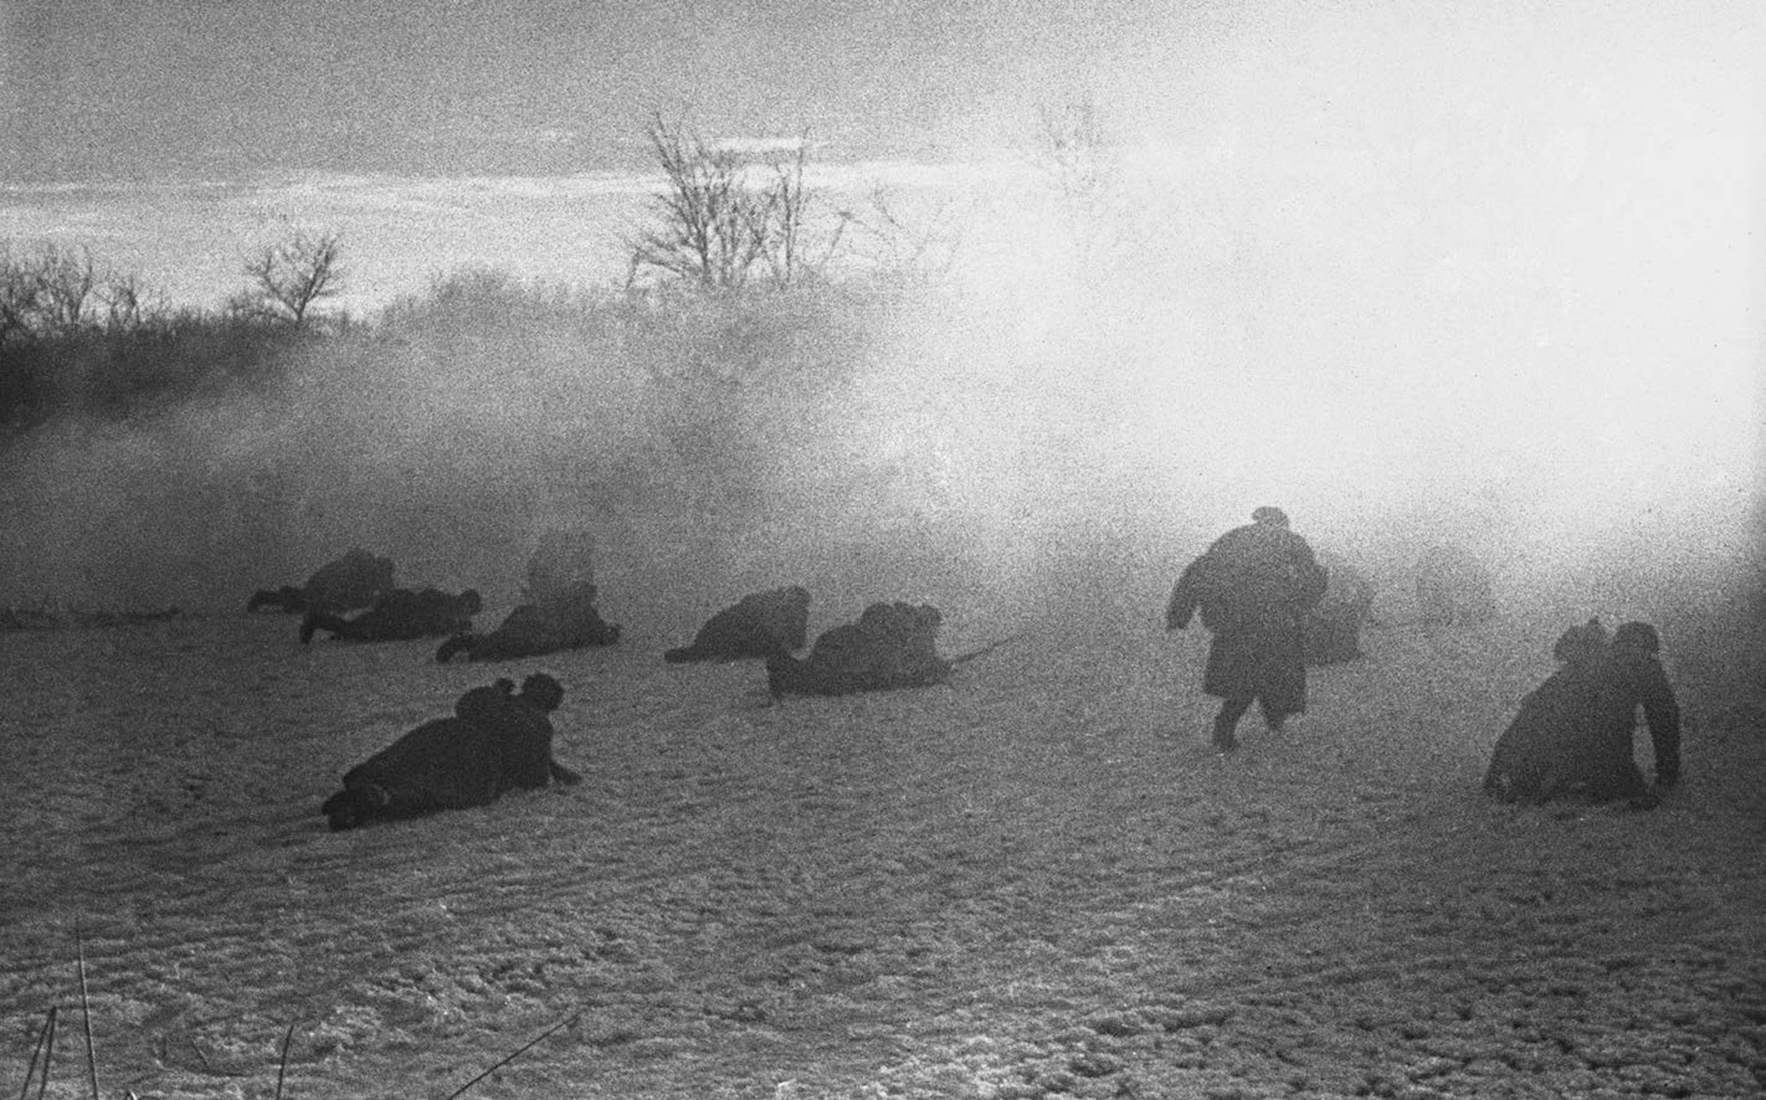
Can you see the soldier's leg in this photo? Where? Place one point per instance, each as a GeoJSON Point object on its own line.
{"type": "Point", "coordinates": [1620, 780]}
{"type": "Point", "coordinates": [1226, 721]}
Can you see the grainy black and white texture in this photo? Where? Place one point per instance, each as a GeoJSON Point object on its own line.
{"type": "Point", "coordinates": [1013, 886]}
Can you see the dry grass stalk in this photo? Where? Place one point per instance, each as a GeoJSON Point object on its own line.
{"type": "Point", "coordinates": [46, 1048]}
{"type": "Point", "coordinates": [86, 1010]}
{"type": "Point", "coordinates": [282, 1068]}
{"type": "Point", "coordinates": [512, 1055]}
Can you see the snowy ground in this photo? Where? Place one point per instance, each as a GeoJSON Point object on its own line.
{"type": "Point", "coordinates": [1035, 882]}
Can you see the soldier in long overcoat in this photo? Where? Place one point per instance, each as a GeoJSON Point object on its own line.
{"type": "Point", "coordinates": [1254, 588]}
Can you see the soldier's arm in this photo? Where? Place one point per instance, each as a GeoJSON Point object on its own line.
{"type": "Point", "coordinates": [1312, 577]}
{"type": "Point", "coordinates": [1186, 597]}
{"type": "Point", "coordinates": [1662, 712]}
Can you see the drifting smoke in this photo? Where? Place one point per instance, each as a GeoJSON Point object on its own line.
{"type": "Point", "coordinates": [1508, 302]}
{"type": "Point", "coordinates": [1054, 454]}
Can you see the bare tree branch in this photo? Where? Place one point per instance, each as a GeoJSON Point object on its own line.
{"type": "Point", "coordinates": [67, 282]}
{"type": "Point", "coordinates": [716, 224]}
{"type": "Point", "coordinates": [288, 279]}
{"type": "Point", "coordinates": [1078, 158]}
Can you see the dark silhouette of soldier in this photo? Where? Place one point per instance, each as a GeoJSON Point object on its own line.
{"type": "Point", "coordinates": [1333, 629]}
{"type": "Point", "coordinates": [496, 741]}
{"type": "Point", "coordinates": [564, 618]}
{"type": "Point", "coordinates": [1254, 587]}
{"type": "Point", "coordinates": [1632, 678]}
{"type": "Point", "coordinates": [1539, 754]}
{"type": "Point", "coordinates": [761, 624]}
{"type": "Point", "coordinates": [893, 645]}
{"type": "Point", "coordinates": [401, 615]}
{"type": "Point", "coordinates": [1573, 734]}
{"type": "Point", "coordinates": [355, 580]}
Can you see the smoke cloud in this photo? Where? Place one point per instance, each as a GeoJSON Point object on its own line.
{"type": "Point", "coordinates": [1451, 284]}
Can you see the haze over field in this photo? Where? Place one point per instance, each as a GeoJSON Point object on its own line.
{"type": "Point", "coordinates": [1489, 273]}
{"type": "Point", "coordinates": [1493, 276]}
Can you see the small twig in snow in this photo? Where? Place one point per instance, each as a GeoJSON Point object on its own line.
{"type": "Point", "coordinates": [514, 1055]}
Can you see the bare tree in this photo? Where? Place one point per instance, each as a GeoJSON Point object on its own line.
{"type": "Point", "coordinates": [288, 279]}
{"type": "Point", "coordinates": [924, 247]}
{"type": "Point", "coordinates": [20, 292]}
{"type": "Point", "coordinates": [67, 282]}
{"type": "Point", "coordinates": [126, 307]}
{"type": "Point", "coordinates": [779, 221]}
{"type": "Point", "coordinates": [716, 224]}
{"type": "Point", "coordinates": [1076, 155]}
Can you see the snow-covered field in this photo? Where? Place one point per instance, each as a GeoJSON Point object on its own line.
{"type": "Point", "coordinates": [1034, 882]}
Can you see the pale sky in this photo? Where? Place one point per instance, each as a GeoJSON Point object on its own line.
{"type": "Point", "coordinates": [218, 88]}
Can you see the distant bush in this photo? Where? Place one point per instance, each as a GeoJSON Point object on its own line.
{"type": "Point", "coordinates": [78, 339]}
{"type": "Point", "coordinates": [113, 372]}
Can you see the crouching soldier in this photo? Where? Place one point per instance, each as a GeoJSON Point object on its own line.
{"type": "Point", "coordinates": [496, 741]}
{"type": "Point", "coordinates": [1573, 734]}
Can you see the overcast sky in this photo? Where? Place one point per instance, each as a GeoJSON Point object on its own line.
{"type": "Point", "coordinates": [206, 88]}
{"type": "Point", "coordinates": [203, 86]}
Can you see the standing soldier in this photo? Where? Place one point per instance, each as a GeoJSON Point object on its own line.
{"type": "Point", "coordinates": [1254, 587]}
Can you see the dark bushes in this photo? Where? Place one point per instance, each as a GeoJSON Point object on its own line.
{"type": "Point", "coordinates": [113, 374]}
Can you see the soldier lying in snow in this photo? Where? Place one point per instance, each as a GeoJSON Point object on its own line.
{"type": "Point", "coordinates": [400, 616]}
{"type": "Point", "coordinates": [358, 579]}
{"type": "Point", "coordinates": [762, 624]}
{"type": "Point", "coordinates": [566, 619]}
{"type": "Point", "coordinates": [497, 741]}
{"type": "Point", "coordinates": [893, 645]}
